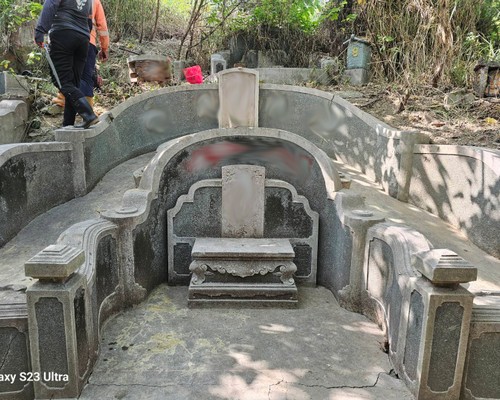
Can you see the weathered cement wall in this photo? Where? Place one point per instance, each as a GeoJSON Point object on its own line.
{"type": "Point", "coordinates": [138, 126]}
{"type": "Point", "coordinates": [344, 132]}
{"type": "Point", "coordinates": [335, 126]}
{"type": "Point", "coordinates": [33, 179]}
{"type": "Point", "coordinates": [462, 186]}
{"type": "Point", "coordinates": [293, 76]}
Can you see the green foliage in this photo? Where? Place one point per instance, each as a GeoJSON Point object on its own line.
{"type": "Point", "coordinates": [5, 66]}
{"type": "Point", "coordinates": [489, 22]}
{"type": "Point", "coordinates": [14, 13]}
{"type": "Point", "coordinates": [34, 58]}
{"type": "Point", "coordinates": [301, 14]}
{"type": "Point", "coordinates": [132, 18]}
{"type": "Point", "coordinates": [292, 14]}
{"type": "Point", "coordinates": [333, 12]}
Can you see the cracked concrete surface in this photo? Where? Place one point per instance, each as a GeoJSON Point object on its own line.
{"type": "Point", "coordinates": [163, 350]}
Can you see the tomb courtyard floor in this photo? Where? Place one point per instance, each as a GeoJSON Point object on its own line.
{"type": "Point", "coordinates": [161, 349]}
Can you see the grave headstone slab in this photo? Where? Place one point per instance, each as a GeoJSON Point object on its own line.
{"type": "Point", "coordinates": [238, 107]}
{"type": "Point", "coordinates": [243, 201]}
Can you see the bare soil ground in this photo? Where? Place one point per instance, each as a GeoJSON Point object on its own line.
{"type": "Point", "coordinates": [427, 109]}
{"type": "Point", "coordinates": [472, 122]}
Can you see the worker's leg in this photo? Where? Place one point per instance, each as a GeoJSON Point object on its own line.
{"type": "Point", "coordinates": [69, 115]}
{"type": "Point", "coordinates": [69, 53]}
{"type": "Point", "coordinates": [82, 105]}
{"type": "Point", "coordinates": [87, 84]}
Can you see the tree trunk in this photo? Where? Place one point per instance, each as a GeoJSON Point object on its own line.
{"type": "Point", "coordinates": [157, 16]}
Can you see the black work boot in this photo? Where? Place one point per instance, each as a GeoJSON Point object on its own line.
{"type": "Point", "coordinates": [83, 108]}
{"type": "Point", "coordinates": [69, 115]}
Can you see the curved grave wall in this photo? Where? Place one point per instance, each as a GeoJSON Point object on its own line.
{"type": "Point", "coordinates": [467, 199]}
{"type": "Point", "coordinates": [334, 125]}
{"type": "Point", "coordinates": [33, 178]}
{"type": "Point", "coordinates": [386, 155]}
{"type": "Point", "coordinates": [344, 132]}
{"type": "Point", "coordinates": [138, 126]}
{"type": "Point", "coordinates": [461, 185]}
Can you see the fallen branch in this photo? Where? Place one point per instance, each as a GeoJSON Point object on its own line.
{"type": "Point", "coordinates": [370, 102]}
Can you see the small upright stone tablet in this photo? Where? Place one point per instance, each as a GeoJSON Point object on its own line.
{"type": "Point", "coordinates": [243, 201]}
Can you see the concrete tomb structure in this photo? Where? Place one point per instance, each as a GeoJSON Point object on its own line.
{"type": "Point", "coordinates": [245, 264]}
{"type": "Point", "coordinates": [14, 92]}
{"type": "Point", "coordinates": [249, 194]}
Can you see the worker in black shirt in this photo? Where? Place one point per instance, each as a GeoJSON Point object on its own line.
{"type": "Point", "coordinates": [68, 23]}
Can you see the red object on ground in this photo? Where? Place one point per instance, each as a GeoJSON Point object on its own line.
{"type": "Point", "coordinates": [193, 74]}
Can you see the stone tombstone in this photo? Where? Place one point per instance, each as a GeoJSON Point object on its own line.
{"type": "Point", "coordinates": [243, 201]}
{"type": "Point", "coordinates": [238, 98]}
{"type": "Point", "coordinates": [217, 64]}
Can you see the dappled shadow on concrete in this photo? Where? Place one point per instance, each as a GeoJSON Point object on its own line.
{"type": "Point", "coordinates": [161, 349]}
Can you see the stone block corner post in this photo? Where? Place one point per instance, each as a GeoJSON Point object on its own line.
{"type": "Point", "coordinates": [439, 319]}
{"type": "Point", "coordinates": [58, 319]}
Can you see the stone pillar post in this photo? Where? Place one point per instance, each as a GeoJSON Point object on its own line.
{"type": "Point", "coordinates": [438, 320]}
{"type": "Point", "coordinates": [126, 219]}
{"type": "Point", "coordinates": [58, 313]}
{"type": "Point", "coordinates": [358, 222]}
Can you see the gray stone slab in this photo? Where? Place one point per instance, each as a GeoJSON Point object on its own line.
{"type": "Point", "coordinates": [243, 201]}
{"type": "Point", "coordinates": [293, 76]}
{"type": "Point", "coordinates": [318, 351]}
{"type": "Point", "coordinates": [357, 76]}
{"type": "Point", "coordinates": [240, 295]}
{"type": "Point", "coordinates": [13, 86]}
{"type": "Point", "coordinates": [13, 117]}
{"type": "Point", "coordinates": [241, 249]}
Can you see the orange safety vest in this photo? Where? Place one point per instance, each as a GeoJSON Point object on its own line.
{"type": "Point", "coordinates": [99, 26]}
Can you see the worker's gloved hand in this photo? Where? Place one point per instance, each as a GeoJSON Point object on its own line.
{"type": "Point", "coordinates": [103, 55]}
{"type": "Point", "coordinates": [39, 36]}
